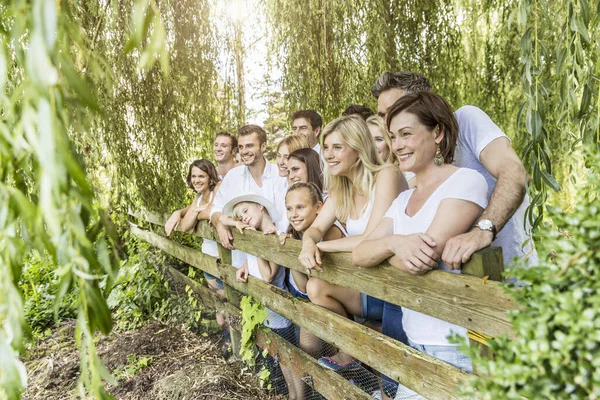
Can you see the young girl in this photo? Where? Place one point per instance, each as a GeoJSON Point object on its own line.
{"type": "Point", "coordinates": [361, 189]}
{"type": "Point", "coordinates": [257, 213]}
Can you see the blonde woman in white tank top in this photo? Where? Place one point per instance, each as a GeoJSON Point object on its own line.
{"type": "Point", "coordinates": [361, 188]}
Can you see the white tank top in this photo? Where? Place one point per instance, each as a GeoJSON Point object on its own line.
{"type": "Point", "coordinates": [357, 227]}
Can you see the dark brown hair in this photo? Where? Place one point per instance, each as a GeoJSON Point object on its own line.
{"type": "Point", "coordinates": [311, 116]}
{"type": "Point", "coordinates": [311, 159]}
{"type": "Point", "coordinates": [432, 110]}
{"type": "Point", "coordinates": [250, 129]}
{"type": "Point", "coordinates": [356, 109]}
{"type": "Point", "coordinates": [208, 168]}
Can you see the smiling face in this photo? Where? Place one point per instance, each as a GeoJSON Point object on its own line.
{"type": "Point", "coordinates": [222, 149]}
{"type": "Point", "coordinates": [249, 213]}
{"type": "Point", "coordinates": [338, 155]}
{"type": "Point", "coordinates": [250, 149]}
{"type": "Point", "coordinates": [200, 180]}
{"type": "Point", "coordinates": [382, 148]}
{"type": "Point", "coordinates": [414, 144]}
{"type": "Point", "coordinates": [297, 171]}
{"type": "Point", "coordinates": [302, 127]}
{"type": "Point", "coordinates": [300, 210]}
{"type": "Point", "coordinates": [282, 160]}
{"type": "Point", "coordinates": [386, 99]}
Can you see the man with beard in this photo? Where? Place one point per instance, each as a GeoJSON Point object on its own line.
{"type": "Point", "coordinates": [481, 146]}
{"type": "Point", "coordinates": [255, 176]}
{"type": "Point", "coordinates": [224, 149]}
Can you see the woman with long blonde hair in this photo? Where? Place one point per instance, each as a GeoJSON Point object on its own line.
{"type": "Point", "coordinates": [360, 188]}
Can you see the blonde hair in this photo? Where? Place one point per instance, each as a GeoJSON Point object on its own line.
{"type": "Point", "coordinates": [293, 143]}
{"type": "Point", "coordinates": [235, 212]}
{"type": "Point", "coordinates": [354, 132]}
{"type": "Point", "coordinates": [377, 121]}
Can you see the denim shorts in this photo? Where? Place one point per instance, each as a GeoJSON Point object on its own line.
{"type": "Point", "coordinates": [372, 308]}
{"type": "Point", "coordinates": [296, 293]}
{"type": "Point", "coordinates": [392, 326]}
{"type": "Point", "coordinates": [209, 277]}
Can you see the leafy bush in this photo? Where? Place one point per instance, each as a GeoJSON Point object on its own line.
{"type": "Point", "coordinates": [40, 284]}
{"type": "Point", "coordinates": [556, 352]}
{"type": "Point", "coordinates": [140, 289]}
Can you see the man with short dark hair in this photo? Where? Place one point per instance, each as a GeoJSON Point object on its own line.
{"type": "Point", "coordinates": [224, 149]}
{"type": "Point", "coordinates": [308, 123]}
{"type": "Point", "coordinates": [255, 176]}
{"type": "Point", "coordinates": [481, 146]}
{"type": "Point", "coordinates": [356, 109]}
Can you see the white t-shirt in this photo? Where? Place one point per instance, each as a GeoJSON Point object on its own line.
{"type": "Point", "coordinates": [465, 184]}
{"type": "Point", "coordinates": [475, 131]}
{"type": "Point", "coordinates": [238, 182]}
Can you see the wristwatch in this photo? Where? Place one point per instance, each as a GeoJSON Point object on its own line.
{"type": "Point", "coordinates": [487, 225]}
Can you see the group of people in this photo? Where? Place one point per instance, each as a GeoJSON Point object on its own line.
{"type": "Point", "coordinates": [415, 184]}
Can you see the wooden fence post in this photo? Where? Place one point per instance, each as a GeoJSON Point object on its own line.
{"type": "Point", "coordinates": [489, 263]}
{"type": "Point", "coordinates": [233, 297]}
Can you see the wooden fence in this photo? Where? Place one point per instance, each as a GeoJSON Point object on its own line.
{"type": "Point", "coordinates": [472, 299]}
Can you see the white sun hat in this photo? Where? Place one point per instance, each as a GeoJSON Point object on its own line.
{"type": "Point", "coordinates": [253, 198]}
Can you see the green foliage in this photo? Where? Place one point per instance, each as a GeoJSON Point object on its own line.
{"type": "Point", "coordinates": [560, 81]}
{"type": "Point", "coordinates": [49, 80]}
{"type": "Point", "coordinates": [253, 316]}
{"type": "Point", "coordinates": [556, 352]}
{"type": "Point", "coordinates": [39, 284]}
{"type": "Point", "coordinates": [134, 365]}
{"type": "Point", "coordinates": [140, 289]}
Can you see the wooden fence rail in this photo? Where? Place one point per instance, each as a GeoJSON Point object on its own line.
{"type": "Point", "coordinates": [464, 300]}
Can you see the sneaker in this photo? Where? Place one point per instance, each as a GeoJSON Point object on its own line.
{"type": "Point", "coordinates": [328, 363]}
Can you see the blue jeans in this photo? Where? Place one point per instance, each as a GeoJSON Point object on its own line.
{"type": "Point", "coordinates": [392, 326]}
{"type": "Point", "coordinates": [296, 293]}
{"type": "Point", "coordinates": [209, 277]}
{"type": "Point", "coordinates": [372, 308]}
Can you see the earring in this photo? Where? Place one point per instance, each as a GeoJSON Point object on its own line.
{"type": "Point", "coordinates": [438, 159]}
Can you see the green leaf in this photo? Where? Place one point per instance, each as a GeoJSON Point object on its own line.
{"type": "Point", "coordinates": [550, 181]}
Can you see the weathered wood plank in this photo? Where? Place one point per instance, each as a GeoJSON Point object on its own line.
{"type": "Point", "coordinates": [209, 298]}
{"type": "Point", "coordinates": [203, 229]}
{"type": "Point", "coordinates": [460, 299]}
{"type": "Point", "coordinates": [422, 373]}
{"type": "Point", "coordinates": [193, 257]}
{"type": "Point", "coordinates": [325, 381]}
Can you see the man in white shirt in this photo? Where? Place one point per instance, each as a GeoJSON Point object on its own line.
{"type": "Point", "coordinates": [224, 149]}
{"type": "Point", "coordinates": [308, 123]}
{"type": "Point", "coordinates": [255, 176]}
{"type": "Point", "coordinates": [481, 146]}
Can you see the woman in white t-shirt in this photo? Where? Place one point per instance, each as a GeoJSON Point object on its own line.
{"type": "Point", "coordinates": [446, 202]}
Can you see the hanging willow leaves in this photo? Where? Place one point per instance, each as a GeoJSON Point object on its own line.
{"type": "Point", "coordinates": [46, 202]}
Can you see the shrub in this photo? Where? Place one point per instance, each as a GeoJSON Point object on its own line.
{"type": "Point", "coordinates": [556, 351]}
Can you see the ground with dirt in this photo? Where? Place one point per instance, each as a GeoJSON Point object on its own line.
{"type": "Point", "coordinates": [156, 361]}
